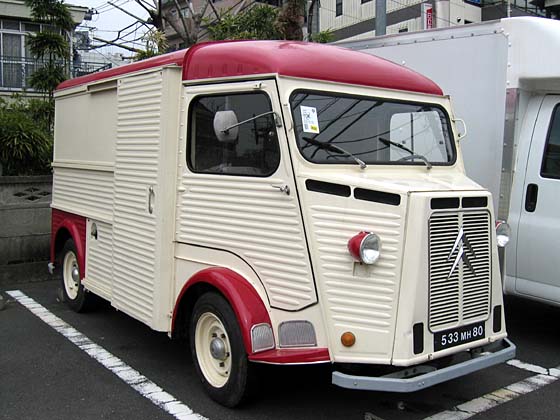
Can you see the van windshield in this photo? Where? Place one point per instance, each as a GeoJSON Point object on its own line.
{"type": "Point", "coordinates": [340, 129]}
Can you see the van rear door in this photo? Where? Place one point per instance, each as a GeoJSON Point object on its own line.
{"type": "Point", "coordinates": [538, 239]}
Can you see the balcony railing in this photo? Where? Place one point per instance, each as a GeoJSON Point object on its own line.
{"type": "Point", "coordinates": [15, 71]}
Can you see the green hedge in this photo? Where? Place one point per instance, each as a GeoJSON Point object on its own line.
{"type": "Point", "coordinates": [26, 139]}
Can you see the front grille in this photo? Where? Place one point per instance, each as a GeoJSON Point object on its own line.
{"type": "Point", "coordinates": [460, 267]}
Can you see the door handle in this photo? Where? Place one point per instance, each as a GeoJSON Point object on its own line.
{"type": "Point", "coordinates": [531, 197]}
{"type": "Point", "coordinates": [151, 198]}
{"type": "Point", "coordinates": [282, 188]}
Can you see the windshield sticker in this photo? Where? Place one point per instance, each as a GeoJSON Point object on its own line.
{"type": "Point", "coordinates": [309, 119]}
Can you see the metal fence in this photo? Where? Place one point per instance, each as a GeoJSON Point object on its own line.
{"type": "Point", "coordinates": [15, 71]}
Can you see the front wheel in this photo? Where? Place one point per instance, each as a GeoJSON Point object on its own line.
{"type": "Point", "coordinates": [218, 352]}
{"type": "Point", "coordinates": [74, 293]}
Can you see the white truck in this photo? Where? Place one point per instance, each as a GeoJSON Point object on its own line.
{"type": "Point", "coordinates": [256, 197]}
{"type": "Point", "coordinates": [504, 79]}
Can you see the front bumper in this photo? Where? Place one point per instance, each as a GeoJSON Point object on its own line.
{"type": "Point", "coordinates": [419, 377]}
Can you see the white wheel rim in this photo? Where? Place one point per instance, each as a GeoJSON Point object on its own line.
{"type": "Point", "coordinates": [70, 267]}
{"type": "Point", "coordinates": [215, 370]}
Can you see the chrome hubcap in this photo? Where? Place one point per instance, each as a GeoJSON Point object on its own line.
{"type": "Point", "coordinates": [75, 274]}
{"type": "Point", "coordinates": [218, 349]}
{"type": "Point", "coordinates": [71, 275]}
{"type": "Point", "coordinates": [213, 349]}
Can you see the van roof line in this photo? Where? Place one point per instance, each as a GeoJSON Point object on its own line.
{"type": "Point", "coordinates": [286, 58]}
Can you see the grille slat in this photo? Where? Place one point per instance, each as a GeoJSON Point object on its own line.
{"type": "Point", "coordinates": [461, 296]}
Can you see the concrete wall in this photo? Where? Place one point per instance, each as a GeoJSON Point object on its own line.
{"type": "Point", "coordinates": [25, 226]}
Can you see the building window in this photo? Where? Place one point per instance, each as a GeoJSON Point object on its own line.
{"type": "Point", "coordinates": [401, 30]}
{"type": "Point", "coordinates": [17, 63]}
{"type": "Point", "coordinates": [12, 25]}
{"type": "Point", "coordinates": [365, 1]}
{"type": "Point", "coordinates": [12, 63]}
{"type": "Point", "coordinates": [338, 7]}
{"type": "Point", "coordinates": [253, 152]}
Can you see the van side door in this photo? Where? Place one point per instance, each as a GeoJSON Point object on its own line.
{"type": "Point", "coordinates": [238, 192]}
{"type": "Point", "coordinates": [538, 239]}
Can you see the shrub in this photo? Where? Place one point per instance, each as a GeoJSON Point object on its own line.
{"type": "Point", "coordinates": [25, 138]}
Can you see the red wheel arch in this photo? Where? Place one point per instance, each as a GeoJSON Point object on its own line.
{"type": "Point", "coordinates": [243, 298]}
{"type": "Point", "coordinates": [76, 227]}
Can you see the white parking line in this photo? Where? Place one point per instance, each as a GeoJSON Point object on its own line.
{"type": "Point", "coordinates": [533, 368]}
{"type": "Point", "coordinates": [493, 399]}
{"type": "Point", "coordinates": [130, 376]}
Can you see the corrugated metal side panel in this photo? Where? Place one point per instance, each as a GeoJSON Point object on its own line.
{"type": "Point", "coordinates": [365, 300]}
{"type": "Point", "coordinates": [253, 220]}
{"type": "Point", "coordinates": [136, 168]}
{"type": "Point", "coordinates": [85, 192]}
{"type": "Point", "coordinates": [99, 271]}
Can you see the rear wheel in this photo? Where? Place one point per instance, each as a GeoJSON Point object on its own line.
{"type": "Point", "coordinates": [218, 351]}
{"type": "Point", "coordinates": [73, 291]}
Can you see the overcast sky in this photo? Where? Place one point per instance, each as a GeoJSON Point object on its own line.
{"type": "Point", "coordinates": [109, 20]}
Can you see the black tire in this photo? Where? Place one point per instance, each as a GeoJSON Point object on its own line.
{"type": "Point", "coordinates": [77, 298]}
{"type": "Point", "coordinates": [234, 388]}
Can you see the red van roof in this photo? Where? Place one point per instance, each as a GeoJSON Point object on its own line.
{"type": "Point", "coordinates": [286, 58]}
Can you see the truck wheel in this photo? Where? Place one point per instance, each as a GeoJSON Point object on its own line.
{"type": "Point", "coordinates": [74, 293]}
{"type": "Point", "coordinates": [218, 352]}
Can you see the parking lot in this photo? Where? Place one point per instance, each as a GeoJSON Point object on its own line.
{"type": "Point", "coordinates": [55, 363]}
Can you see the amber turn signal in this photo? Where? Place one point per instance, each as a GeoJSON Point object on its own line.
{"type": "Point", "coordinates": [347, 339]}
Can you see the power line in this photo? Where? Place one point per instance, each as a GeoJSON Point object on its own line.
{"type": "Point", "coordinates": [109, 7]}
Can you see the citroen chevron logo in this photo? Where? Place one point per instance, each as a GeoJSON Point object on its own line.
{"type": "Point", "coordinates": [460, 243]}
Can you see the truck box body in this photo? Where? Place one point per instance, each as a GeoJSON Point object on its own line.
{"type": "Point", "coordinates": [165, 214]}
{"type": "Point", "coordinates": [504, 81]}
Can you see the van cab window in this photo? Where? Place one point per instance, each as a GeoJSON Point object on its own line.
{"type": "Point", "coordinates": [254, 151]}
{"type": "Point", "coordinates": [551, 159]}
{"type": "Point", "coordinates": [335, 128]}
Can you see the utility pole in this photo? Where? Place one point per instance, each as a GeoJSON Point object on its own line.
{"type": "Point", "coordinates": [380, 17]}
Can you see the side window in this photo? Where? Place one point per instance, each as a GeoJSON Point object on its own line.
{"type": "Point", "coordinates": [255, 151]}
{"type": "Point", "coordinates": [551, 159]}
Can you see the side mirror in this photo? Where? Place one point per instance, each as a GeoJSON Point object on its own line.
{"type": "Point", "coordinates": [226, 126]}
{"type": "Point", "coordinates": [461, 134]}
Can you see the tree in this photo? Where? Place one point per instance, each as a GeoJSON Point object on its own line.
{"type": "Point", "coordinates": [322, 37]}
{"type": "Point", "coordinates": [155, 42]}
{"type": "Point", "coordinates": [263, 22]}
{"type": "Point", "coordinates": [291, 19]}
{"type": "Point", "coordinates": [183, 18]}
{"type": "Point", "coordinates": [51, 45]}
{"type": "Point", "coordinates": [256, 23]}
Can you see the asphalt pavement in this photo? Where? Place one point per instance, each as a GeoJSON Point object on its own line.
{"type": "Point", "coordinates": [43, 375]}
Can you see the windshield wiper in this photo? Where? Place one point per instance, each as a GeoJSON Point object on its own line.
{"type": "Point", "coordinates": [335, 148]}
{"type": "Point", "coordinates": [406, 149]}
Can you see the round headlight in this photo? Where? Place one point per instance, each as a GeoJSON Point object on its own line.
{"type": "Point", "coordinates": [503, 233]}
{"type": "Point", "coordinates": [365, 247]}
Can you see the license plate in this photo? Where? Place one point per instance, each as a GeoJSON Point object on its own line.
{"type": "Point", "coordinates": [457, 336]}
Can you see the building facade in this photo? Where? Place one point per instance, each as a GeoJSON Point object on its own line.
{"type": "Point", "coordinates": [16, 61]}
{"type": "Point", "coordinates": [355, 19]}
